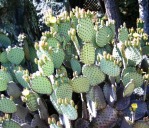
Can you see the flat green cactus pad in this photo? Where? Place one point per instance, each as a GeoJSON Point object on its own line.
{"type": "Point", "coordinates": [58, 56]}
{"type": "Point", "coordinates": [5, 75]}
{"type": "Point", "coordinates": [69, 111]}
{"type": "Point", "coordinates": [4, 40]}
{"type": "Point", "coordinates": [80, 84]}
{"type": "Point", "coordinates": [85, 30]}
{"type": "Point", "coordinates": [13, 90]}
{"type": "Point", "coordinates": [3, 84]}
{"type": "Point", "coordinates": [3, 57]}
{"type": "Point", "coordinates": [127, 70]}
{"type": "Point", "coordinates": [7, 105]}
{"type": "Point", "coordinates": [123, 34]}
{"type": "Point", "coordinates": [47, 68]}
{"type": "Point", "coordinates": [109, 68]}
{"type": "Point", "coordinates": [75, 65]}
{"type": "Point", "coordinates": [41, 85]}
{"type": "Point", "coordinates": [15, 55]}
{"type": "Point", "coordinates": [52, 42]}
{"type": "Point", "coordinates": [133, 55]}
{"type": "Point", "coordinates": [129, 88]}
{"type": "Point", "coordinates": [63, 30]}
{"type": "Point", "coordinates": [138, 79]}
{"type": "Point", "coordinates": [31, 101]}
{"type": "Point", "coordinates": [94, 74]}
{"type": "Point", "coordinates": [95, 94]}
{"type": "Point", "coordinates": [62, 93]}
{"type": "Point", "coordinates": [10, 124]}
{"type": "Point", "coordinates": [103, 36]}
{"type": "Point", "coordinates": [88, 54]}
{"type": "Point", "coordinates": [19, 76]}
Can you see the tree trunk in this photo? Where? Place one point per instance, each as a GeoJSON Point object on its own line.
{"type": "Point", "coordinates": [144, 13]}
{"type": "Point", "coordinates": [113, 12]}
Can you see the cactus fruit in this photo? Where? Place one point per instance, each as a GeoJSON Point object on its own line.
{"type": "Point", "coordinates": [53, 124]}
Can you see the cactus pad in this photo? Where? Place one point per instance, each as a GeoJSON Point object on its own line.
{"type": "Point", "coordinates": [133, 55]}
{"type": "Point", "coordinates": [62, 93]}
{"type": "Point", "coordinates": [4, 40]}
{"type": "Point", "coordinates": [103, 36]}
{"type": "Point", "coordinates": [46, 67]}
{"type": "Point", "coordinates": [80, 84]}
{"type": "Point", "coordinates": [75, 65]}
{"type": "Point", "coordinates": [13, 90]}
{"type": "Point", "coordinates": [3, 84]}
{"type": "Point", "coordinates": [129, 88]}
{"type": "Point", "coordinates": [58, 56]}
{"type": "Point", "coordinates": [5, 104]}
{"type": "Point", "coordinates": [109, 68]}
{"type": "Point", "coordinates": [138, 79]}
{"type": "Point", "coordinates": [3, 57]}
{"type": "Point", "coordinates": [94, 74]}
{"type": "Point", "coordinates": [123, 34]}
{"type": "Point", "coordinates": [88, 54]}
{"type": "Point", "coordinates": [19, 76]}
{"type": "Point", "coordinates": [105, 118]}
{"type": "Point", "coordinates": [10, 124]}
{"type": "Point", "coordinates": [15, 55]}
{"type": "Point", "coordinates": [41, 85]}
{"type": "Point", "coordinates": [85, 30]}
{"type": "Point", "coordinates": [69, 110]}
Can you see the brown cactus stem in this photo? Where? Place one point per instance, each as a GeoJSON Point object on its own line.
{"type": "Point", "coordinates": [113, 13]}
{"type": "Point", "coordinates": [145, 89]}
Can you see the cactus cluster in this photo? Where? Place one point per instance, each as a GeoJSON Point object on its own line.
{"type": "Point", "coordinates": [76, 76]}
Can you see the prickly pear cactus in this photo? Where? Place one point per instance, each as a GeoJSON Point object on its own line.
{"type": "Point", "coordinates": [5, 104]}
{"type": "Point", "coordinates": [76, 75]}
